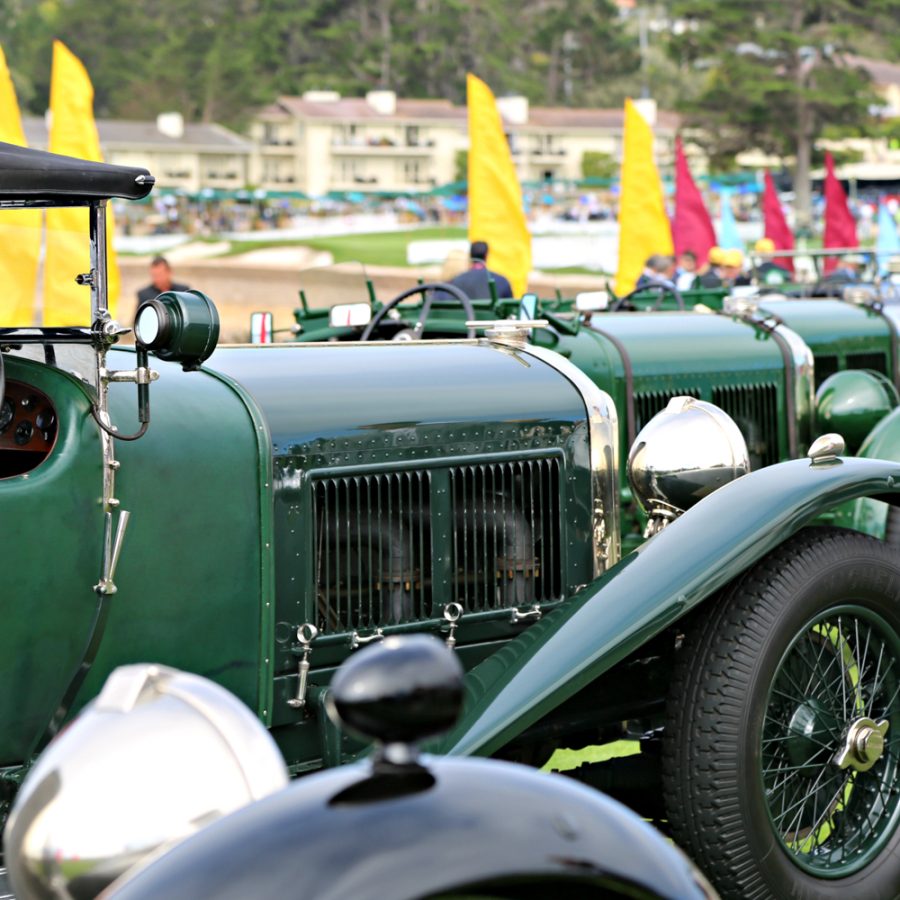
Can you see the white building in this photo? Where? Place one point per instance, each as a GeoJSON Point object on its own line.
{"type": "Point", "coordinates": [190, 156]}
{"type": "Point", "coordinates": [323, 142]}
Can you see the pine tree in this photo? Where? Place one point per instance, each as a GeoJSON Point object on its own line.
{"type": "Point", "coordinates": [771, 74]}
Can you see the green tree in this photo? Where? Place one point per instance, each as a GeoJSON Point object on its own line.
{"type": "Point", "coordinates": [773, 73]}
{"type": "Point", "coordinates": [595, 164]}
{"type": "Point", "coordinates": [577, 46]}
{"type": "Point", "coordinates": [461, 165]}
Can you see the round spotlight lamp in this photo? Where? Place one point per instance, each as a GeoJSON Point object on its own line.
{"type": "Point", "coordinates": [178, 326]}
{"type": "Point", "coordinates": [158, 755]}
{"type": "Point", "coordinates": [853, 402]}
{"type": "Point", "coordinates": [683, 453]}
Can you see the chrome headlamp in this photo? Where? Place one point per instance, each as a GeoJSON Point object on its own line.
{"type": "Point", "coordinates": [158, 755]}
{"type": "Point", "coordinates": [682, 454]}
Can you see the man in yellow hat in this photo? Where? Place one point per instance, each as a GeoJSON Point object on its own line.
{"type": "Point", "coordinates": [768, 272]}
{"type": "Point", "coordinates": [711, 276]}
{"type": "Point", "coordinates": [732, 268]}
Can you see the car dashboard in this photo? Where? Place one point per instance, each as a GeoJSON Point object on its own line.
{"type": "Point", "coordinates": [28, 427]}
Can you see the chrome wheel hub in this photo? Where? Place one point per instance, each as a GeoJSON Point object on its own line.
{"type": "Point", "coordinates": [863, 744]}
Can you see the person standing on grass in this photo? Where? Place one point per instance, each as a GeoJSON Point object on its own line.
{"type": "Point", "coordinates": [474, 282]}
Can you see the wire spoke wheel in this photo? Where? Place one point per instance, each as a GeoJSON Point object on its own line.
{"type": "Point", "coordinates": [830, 746]}
{"type": "Point", "coordinates": [781, 750]}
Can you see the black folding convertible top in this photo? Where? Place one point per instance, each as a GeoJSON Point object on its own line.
{"type": "Point", "coordinates": [36, 175]}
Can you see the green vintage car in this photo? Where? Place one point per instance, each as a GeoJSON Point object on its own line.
{"type": "Point", "coordinates": [254, 514]}
{"type": "Point", "coordinates": [759, 358]}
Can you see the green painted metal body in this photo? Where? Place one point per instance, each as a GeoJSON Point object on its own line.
{"type": "Point", "coordinates": [350, 410]}
{"type": "Point", "coordinates": [866, 514]}
{"type": "Point", "coordinates": [50, 515]}
{"type": "Point", "coordinates": [189, 576]}
{"type": "Point", "coordinates": [852, 402]}
{"type": "Point", "coordinates": [644, 359]}
{"type": "Point", "coordinates": [651, 589]}
{"type": "Point", "coordinates": [219, 562]}
{"type": "Point", "coordinates": [671, 354]}
{"type": "Point", "coordinates": [841, 335]}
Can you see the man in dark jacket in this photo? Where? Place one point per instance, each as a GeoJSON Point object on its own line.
{"type": "Point", "coordinates": [160, 280]}
{"type": "Point", "coordinates": [474, 282]}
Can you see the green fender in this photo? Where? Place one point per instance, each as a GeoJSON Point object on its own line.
{"type": "Point", "coordinates": [865, 514]}
{"type": "Point", "coordinates": [650, 589]}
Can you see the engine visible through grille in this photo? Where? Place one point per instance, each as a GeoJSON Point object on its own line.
{"type": "Point", "coordinates": [875, 361]}
{"type": "Point", "coordinates": [372, 550]}
{"type": "Point", "coordinates": [825, 365]}
{"type": "Point", "coordinates": [754, 408]}
{"type": "Point", "coordinates": [499, 542]}
{"type": "Point", "coordinates": [648, 403]}
{"type": "Point", "coordinates": [506, 538]}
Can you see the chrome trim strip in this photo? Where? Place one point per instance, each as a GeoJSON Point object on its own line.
{"type": "Point", "coordinates": [310, 345]}
{"type": "Point", "coordinates": [804, 382]}
{"type": "Point", "coordinates": [604, 451]}
{"type": "Point", "coordinates": [891, 315]}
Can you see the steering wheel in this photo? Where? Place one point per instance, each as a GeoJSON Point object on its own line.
{"type": "Point", "coordinates": [660, 287]}
{"type": "Point", "coordinates": [419, 327]}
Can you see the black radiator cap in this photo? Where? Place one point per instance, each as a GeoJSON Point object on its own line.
{"type": "Point", "coordinates": [399, 691]}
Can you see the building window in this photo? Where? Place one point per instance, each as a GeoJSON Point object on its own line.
{"type": "Point", "coordinates": [411, 174]}
{"type": "Point", "coordinates": [346, 135]}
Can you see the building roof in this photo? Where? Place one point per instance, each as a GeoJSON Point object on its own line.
{"type": "Point", "coordinates": [124, 134]}
{"type": "Point", "coordinates": [881, 71]}
{"type": "Point", "coordinates": [358, 108]}
{"type": "Point", "coordinates": [607, 119]}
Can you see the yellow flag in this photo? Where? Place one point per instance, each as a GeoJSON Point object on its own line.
{"type": "Point", "coordinates": [20, 229]}
{"type": "Point", "coordinates": [496, 214]}
{"type": "Point", "coordinates": [644, 227]}
{"type": "Point", "coordinates": [72, 133]}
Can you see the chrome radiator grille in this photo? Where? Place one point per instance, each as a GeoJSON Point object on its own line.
{"type": "Point", "coordinates": [825, 365]}
{"type": "Point", "coordinates": [876, 361]}
{"type": "Point", "coordinates": [506, 534]}
{"type": "Point", "coordinates": [754, 409]}
{"type": "Point", "coordinates": [372, 550]}
{"type": "Point", "coordinates": [648, 403]}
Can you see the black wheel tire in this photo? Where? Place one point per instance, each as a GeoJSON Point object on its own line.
{"type": "Point", "coordinates": [712, 747]}
{"type": "Point", "coordinates": [892, 528]}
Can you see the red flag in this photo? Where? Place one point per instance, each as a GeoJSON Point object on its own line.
{"type": "Point", "coordinates": [776, 226]}
{"type": "Point", "coordinates": [840, 226]}
{"type": "Point", "coordinates": [692, 229]}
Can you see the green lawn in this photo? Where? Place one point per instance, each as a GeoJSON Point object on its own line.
{"type": "Point", "coordinates": [574, 270]}
{"type": "Point", "coordinates": [377, 249]}
{"type": "Point", "coordinates": [564, 760]}
{"type": "Point", "coordinates": [380, 249]}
